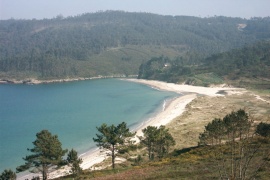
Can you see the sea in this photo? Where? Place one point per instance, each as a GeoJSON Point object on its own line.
{"type": "Point", "coordinates": [72, 111]}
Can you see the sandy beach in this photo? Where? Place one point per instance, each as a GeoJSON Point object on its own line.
{"type": "Point", "coordinates": [177, 106]}
{"type": "Point", "coordinates": [181, 88]}
{"type": "Point", "coordinates": [172, 109]}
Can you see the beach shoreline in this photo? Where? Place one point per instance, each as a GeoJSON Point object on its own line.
{"type": "Point", "coordinates": [173, 109]}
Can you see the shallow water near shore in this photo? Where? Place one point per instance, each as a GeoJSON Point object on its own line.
{"type": "Point", "coordinates": [72, 111]}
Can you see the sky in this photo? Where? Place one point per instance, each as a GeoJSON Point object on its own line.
{"type": "Point", "coordinates": [40, 9]}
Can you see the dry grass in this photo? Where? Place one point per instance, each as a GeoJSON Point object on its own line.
{"type": "Point", "coordinates": [202, 110]}
{"type": "Point", "coordinates": [194, 163]}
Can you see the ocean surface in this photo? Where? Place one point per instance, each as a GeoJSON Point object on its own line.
{"type": "Point", "coordinates": [72, 111]}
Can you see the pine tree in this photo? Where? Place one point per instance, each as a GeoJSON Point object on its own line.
{"type": "Point", "coordinates": [8, 175]}
{"type": "Point", "coordinates": [47, 152]}
{"type": "Point", "coordinates": [112, 138]}
{"type": "Point", "coordinates": [74, 161]}
{"type": "Point", "coordinates": [157, 140]}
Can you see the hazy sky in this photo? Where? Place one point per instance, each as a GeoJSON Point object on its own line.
{"type": "Point", "coordinates": [39, 9]}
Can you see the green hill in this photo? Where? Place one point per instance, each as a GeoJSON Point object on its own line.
{"type": "Point", "coordinates": [114, 42]}
{"type": "Point", "coordinates": [246, 67]}
{"type": "Point", "coordinates": [249, 66]}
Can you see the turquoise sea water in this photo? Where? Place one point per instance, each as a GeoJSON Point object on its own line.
{"type": "Point", "coordinates": [72, 111]}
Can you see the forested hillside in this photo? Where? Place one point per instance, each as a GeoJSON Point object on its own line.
{"type": "Point", "coordinates": [114, 42]}
{"type": "Point", "coordinates": [247, 67]}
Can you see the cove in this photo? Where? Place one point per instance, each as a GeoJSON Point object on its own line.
{"type": "Point", "coordinates": [70, 110]}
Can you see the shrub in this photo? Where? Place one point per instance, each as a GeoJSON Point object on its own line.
{"type": "Point", "coordinates": [263, 129]}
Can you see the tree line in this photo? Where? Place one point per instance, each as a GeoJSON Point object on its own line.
{"type": "Point", "coordinates": [235, 146]}
{"type": "Point", "coordinates": [251, 62]}
{"type": "Point", "coordinates": [62, 47]}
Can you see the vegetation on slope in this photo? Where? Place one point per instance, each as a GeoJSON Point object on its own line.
{"type": "Point", "coordinates": [250, 64]}
{"type": "Point", "coordinates": [248, 67]}
{"type": "Point", "coordinates": [113, 42]}
{"type": "Point", "coordinates": [204, 162]}
{"type": "Point", "coordinates": [189, 163]}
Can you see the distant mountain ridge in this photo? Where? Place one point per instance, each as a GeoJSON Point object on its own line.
{"type": "Point", "coordinates": [115, 42]}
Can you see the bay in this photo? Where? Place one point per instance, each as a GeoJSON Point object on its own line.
{"type": "Point", "coordinates": [70, 110]}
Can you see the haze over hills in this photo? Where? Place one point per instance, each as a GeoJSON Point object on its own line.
{"type": "Point", "coordinates": [115, 42]}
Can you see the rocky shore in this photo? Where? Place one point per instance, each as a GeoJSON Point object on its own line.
{"type": "Point", "coordinates": [39, 81]}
